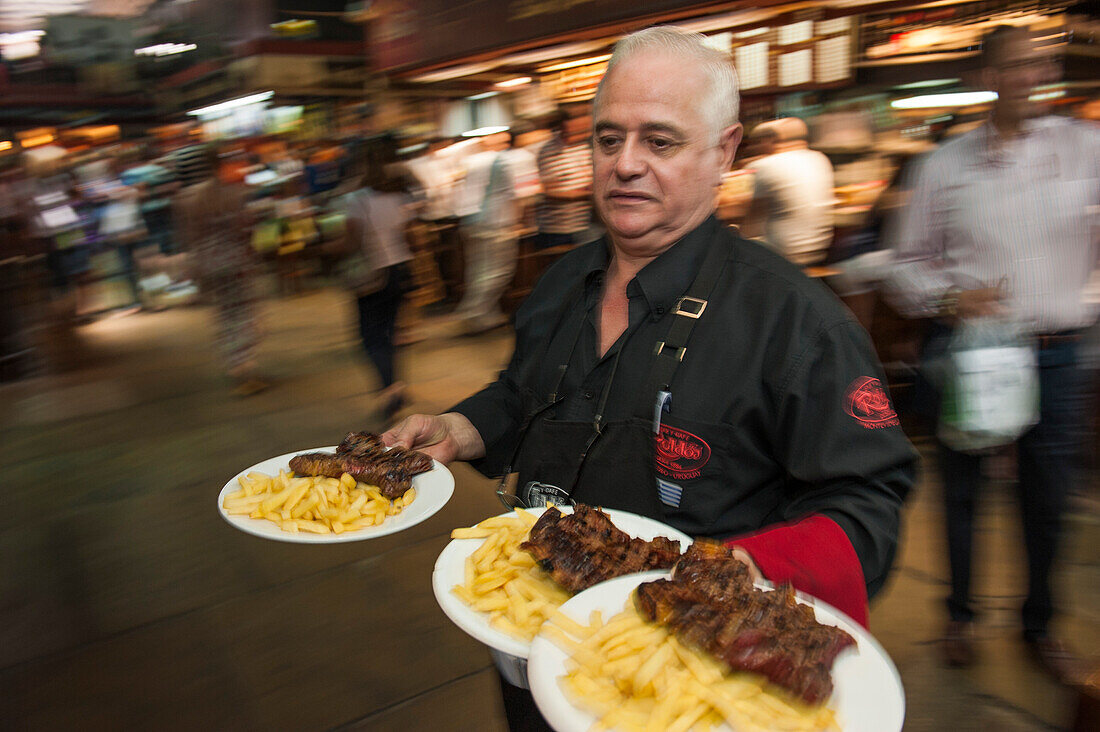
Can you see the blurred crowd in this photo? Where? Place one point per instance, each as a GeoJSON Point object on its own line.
{"type": "Point", "coordinates": [456, 228]}
{"type": "Point", "coordinates": [986, 215]}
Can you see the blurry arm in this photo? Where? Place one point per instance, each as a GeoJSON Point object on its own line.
{"type": "Point", "coordinates": [918, 283]}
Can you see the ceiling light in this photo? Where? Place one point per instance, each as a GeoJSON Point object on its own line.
{"type": "Point", "coordinates": [5, 145]}
{"type": "Point", "coordinates": [1042, 96]}
{"type": "Point", "coordinates": [574, 64]}
{"type": "Point", "coordinates": [929, 101]}
{"type": "Point", "coordinates": [928, 83]}
{"type": "Point", "coordinates": [165, 49]}
{"type": "Point", "coordinates": [510, 83]}
{"type": "Point", "coordinates": [232, 103]}
{"type": "Point", "coordinates": [452, 72]}
{"type": "Point", "coordinates": [483, 95]}
{"type": "Point", "coordinates": [483, 131]}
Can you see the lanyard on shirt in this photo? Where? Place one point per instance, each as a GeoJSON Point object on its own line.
{"type": "Point", "coordinates": [668, 354]}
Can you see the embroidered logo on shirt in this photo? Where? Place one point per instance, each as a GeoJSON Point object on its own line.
{"type": "Point", "coordinates": [669, 493]}
{"type": "Point", "coordinates": [867, 401]}
{"type": "Point", "coordinates": [679, 454]}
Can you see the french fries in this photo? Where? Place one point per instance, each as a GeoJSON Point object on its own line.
{"type": "Point", "coordinates": [313, 504]}
{"type": "Point", "coordinates": [637, 677]}
{"type": "Point", "coordinates": [505, 581]}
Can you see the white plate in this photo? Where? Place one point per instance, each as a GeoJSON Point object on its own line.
{"type": "Point", "coordinates": [433, 490]}
{"type": "Point", "coordinates": [867, 692]}
{"type": "Point", "coordinates": [450, 571]}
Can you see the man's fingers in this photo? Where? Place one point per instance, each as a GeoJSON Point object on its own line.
{"type": "Point", "coordinates": [407, 434]}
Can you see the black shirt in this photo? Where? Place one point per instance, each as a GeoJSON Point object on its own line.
{"type": "Point", "coordinates": [778, 381]}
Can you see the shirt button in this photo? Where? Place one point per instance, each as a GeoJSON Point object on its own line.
{"type": "Point", "coordinates": [588, 395]}
{"type": "Point", "coordinates": [660, 309]}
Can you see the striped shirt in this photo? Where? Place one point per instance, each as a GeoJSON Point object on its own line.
{"type": "Point", "coordinates": [564, 168]}
{"type": "Point", "coordinates": [1021, 213]}
{"type": "Point", "coordinates": [191, 164]}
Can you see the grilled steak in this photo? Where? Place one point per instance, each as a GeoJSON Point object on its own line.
{"type": "Point", "coordinates": [363, 456]}
{"type": "Point", "coordinates": [710, 604]}
{"type": "Point", "coordinates": [368, 446]}
{"type": "Point", "coordinates": [584, 548]}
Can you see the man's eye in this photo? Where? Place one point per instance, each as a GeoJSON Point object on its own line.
{"type": "Point", "coordinates": [660, 144]}
{"type": "Point", "coordinates": [608, 143]}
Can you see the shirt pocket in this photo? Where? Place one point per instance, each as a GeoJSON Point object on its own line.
{"type": "Point", "coordinates": [712, 475]}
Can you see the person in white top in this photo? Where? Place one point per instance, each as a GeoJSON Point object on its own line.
{"type": "Point", "coordinates": [376, 268]}
{"type": "Point", "coordinates": [792, 203]}
{"type": "Point", "coordinates": [437, 172]}
{"type": "Point", "coordinates": [1003, 220]}
{"type": "Point", "coordinates": [500, 178]}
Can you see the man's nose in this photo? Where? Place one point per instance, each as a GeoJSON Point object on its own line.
{"type": "Point", "coordinates": [630, 163]}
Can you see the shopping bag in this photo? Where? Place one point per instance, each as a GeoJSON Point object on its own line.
{"type": "Point", "coordinates": [990, 385]}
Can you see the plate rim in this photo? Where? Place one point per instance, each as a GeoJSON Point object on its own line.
{"type": "Point", "coordinates": [461, 614]}
{"type": "Point", "coordinates": [541, 678]}
{"type": "Point", "coordinates": [252, 526]}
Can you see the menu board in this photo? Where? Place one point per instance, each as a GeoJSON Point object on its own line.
{"type": "Point", "coordinates": [751, 61]}
{"type": "Point", "coordinates": [807, 52]}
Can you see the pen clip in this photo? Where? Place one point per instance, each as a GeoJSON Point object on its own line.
{"type": "Point", "coordinates": [663, 404]}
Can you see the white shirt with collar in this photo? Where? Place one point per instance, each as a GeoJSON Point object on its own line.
{"type": "Point", "coordinates": [1021, 213]}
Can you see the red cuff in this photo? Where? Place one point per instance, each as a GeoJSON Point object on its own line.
{"type": "Point", "coordinates": [815, 556]}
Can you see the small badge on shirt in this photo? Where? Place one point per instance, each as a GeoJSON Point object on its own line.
{"type": "Point", "coordinates": [669, 493]}
{"type": "Point", "coordinates": [867, 401]}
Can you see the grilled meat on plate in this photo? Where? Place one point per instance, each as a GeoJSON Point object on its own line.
{"type": "Point", "coordinates": [584, 548]}
{"type": "Point", "coordinates": [710, 604]}
{"type": "Point", "coordinates": [363, 456]}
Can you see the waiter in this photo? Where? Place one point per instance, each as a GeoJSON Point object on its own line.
{"type": "Point", "coordinates": [675, 370]}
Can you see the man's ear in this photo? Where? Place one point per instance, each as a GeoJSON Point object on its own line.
{"type": "Point", "coordinates": [728, 141]}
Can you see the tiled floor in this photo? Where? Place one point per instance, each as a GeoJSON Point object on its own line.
{"type": "Point", "coordinates": [125, 601]}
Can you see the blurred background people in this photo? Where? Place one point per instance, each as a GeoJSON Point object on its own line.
{"type": "Point", "coordinates": [509, 178]}
{"type": "Point", "coordinates": [564, 212]}
{"type": "Point", "coordinates": [1001, 223]}
{"type": "Point", "coordinates": [377, 256]}
{"type": "Point", "coordinates": [212, 226]}
{"type": "Point", "coordinates": [792, 198]}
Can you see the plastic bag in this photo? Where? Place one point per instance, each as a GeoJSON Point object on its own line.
{"type": "Point", "coordinates": [990, 385]}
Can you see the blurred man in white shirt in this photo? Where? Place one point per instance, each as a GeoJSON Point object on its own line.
{"type": "Point", "coordinates": [793, 196]}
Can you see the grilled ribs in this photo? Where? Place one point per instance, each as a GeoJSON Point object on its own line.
{"type": "Point", "coordinates": [584, 548]}
{"type": "Point", "coordinates": [711, 604]}
{"type": "Point", "coordinates": [363, 456]}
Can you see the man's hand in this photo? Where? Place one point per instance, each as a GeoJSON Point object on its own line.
{"type": "Point", "coordinates": [445, 437]}
{"type": "Point", "coordinates": [739, 553]}
{"type": "Point", "coordinates": [978, 303]}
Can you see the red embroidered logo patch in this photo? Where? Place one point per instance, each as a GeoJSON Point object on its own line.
{"type": "Point", "coordinates": [680, 454]}
{"type": "Point", "coordinates": [867, 401]}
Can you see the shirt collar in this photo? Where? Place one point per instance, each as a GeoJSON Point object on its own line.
{"type": "Point", "coordinates": [995, 149]}
{"type": "Point", "coordinates": [662, 282]}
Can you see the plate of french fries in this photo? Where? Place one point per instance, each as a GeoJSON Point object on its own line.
{"type": "Point", "coordinates": [269, 501]}
{"type": "Point", "coordinates": [495, 591]}
{"type": "Point", "coordinates": [596, 664]}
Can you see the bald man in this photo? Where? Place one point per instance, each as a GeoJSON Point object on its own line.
{"type": "Point", "coordinates": [792, 200]}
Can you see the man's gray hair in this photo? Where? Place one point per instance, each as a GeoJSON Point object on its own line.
{"type": "Point", "coordinates": [722, 100]}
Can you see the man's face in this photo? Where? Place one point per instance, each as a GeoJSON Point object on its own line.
{"type": "Point", "coordinates": [656, 162]}
{"type": "Point", "coordinates": [1020, 68]}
